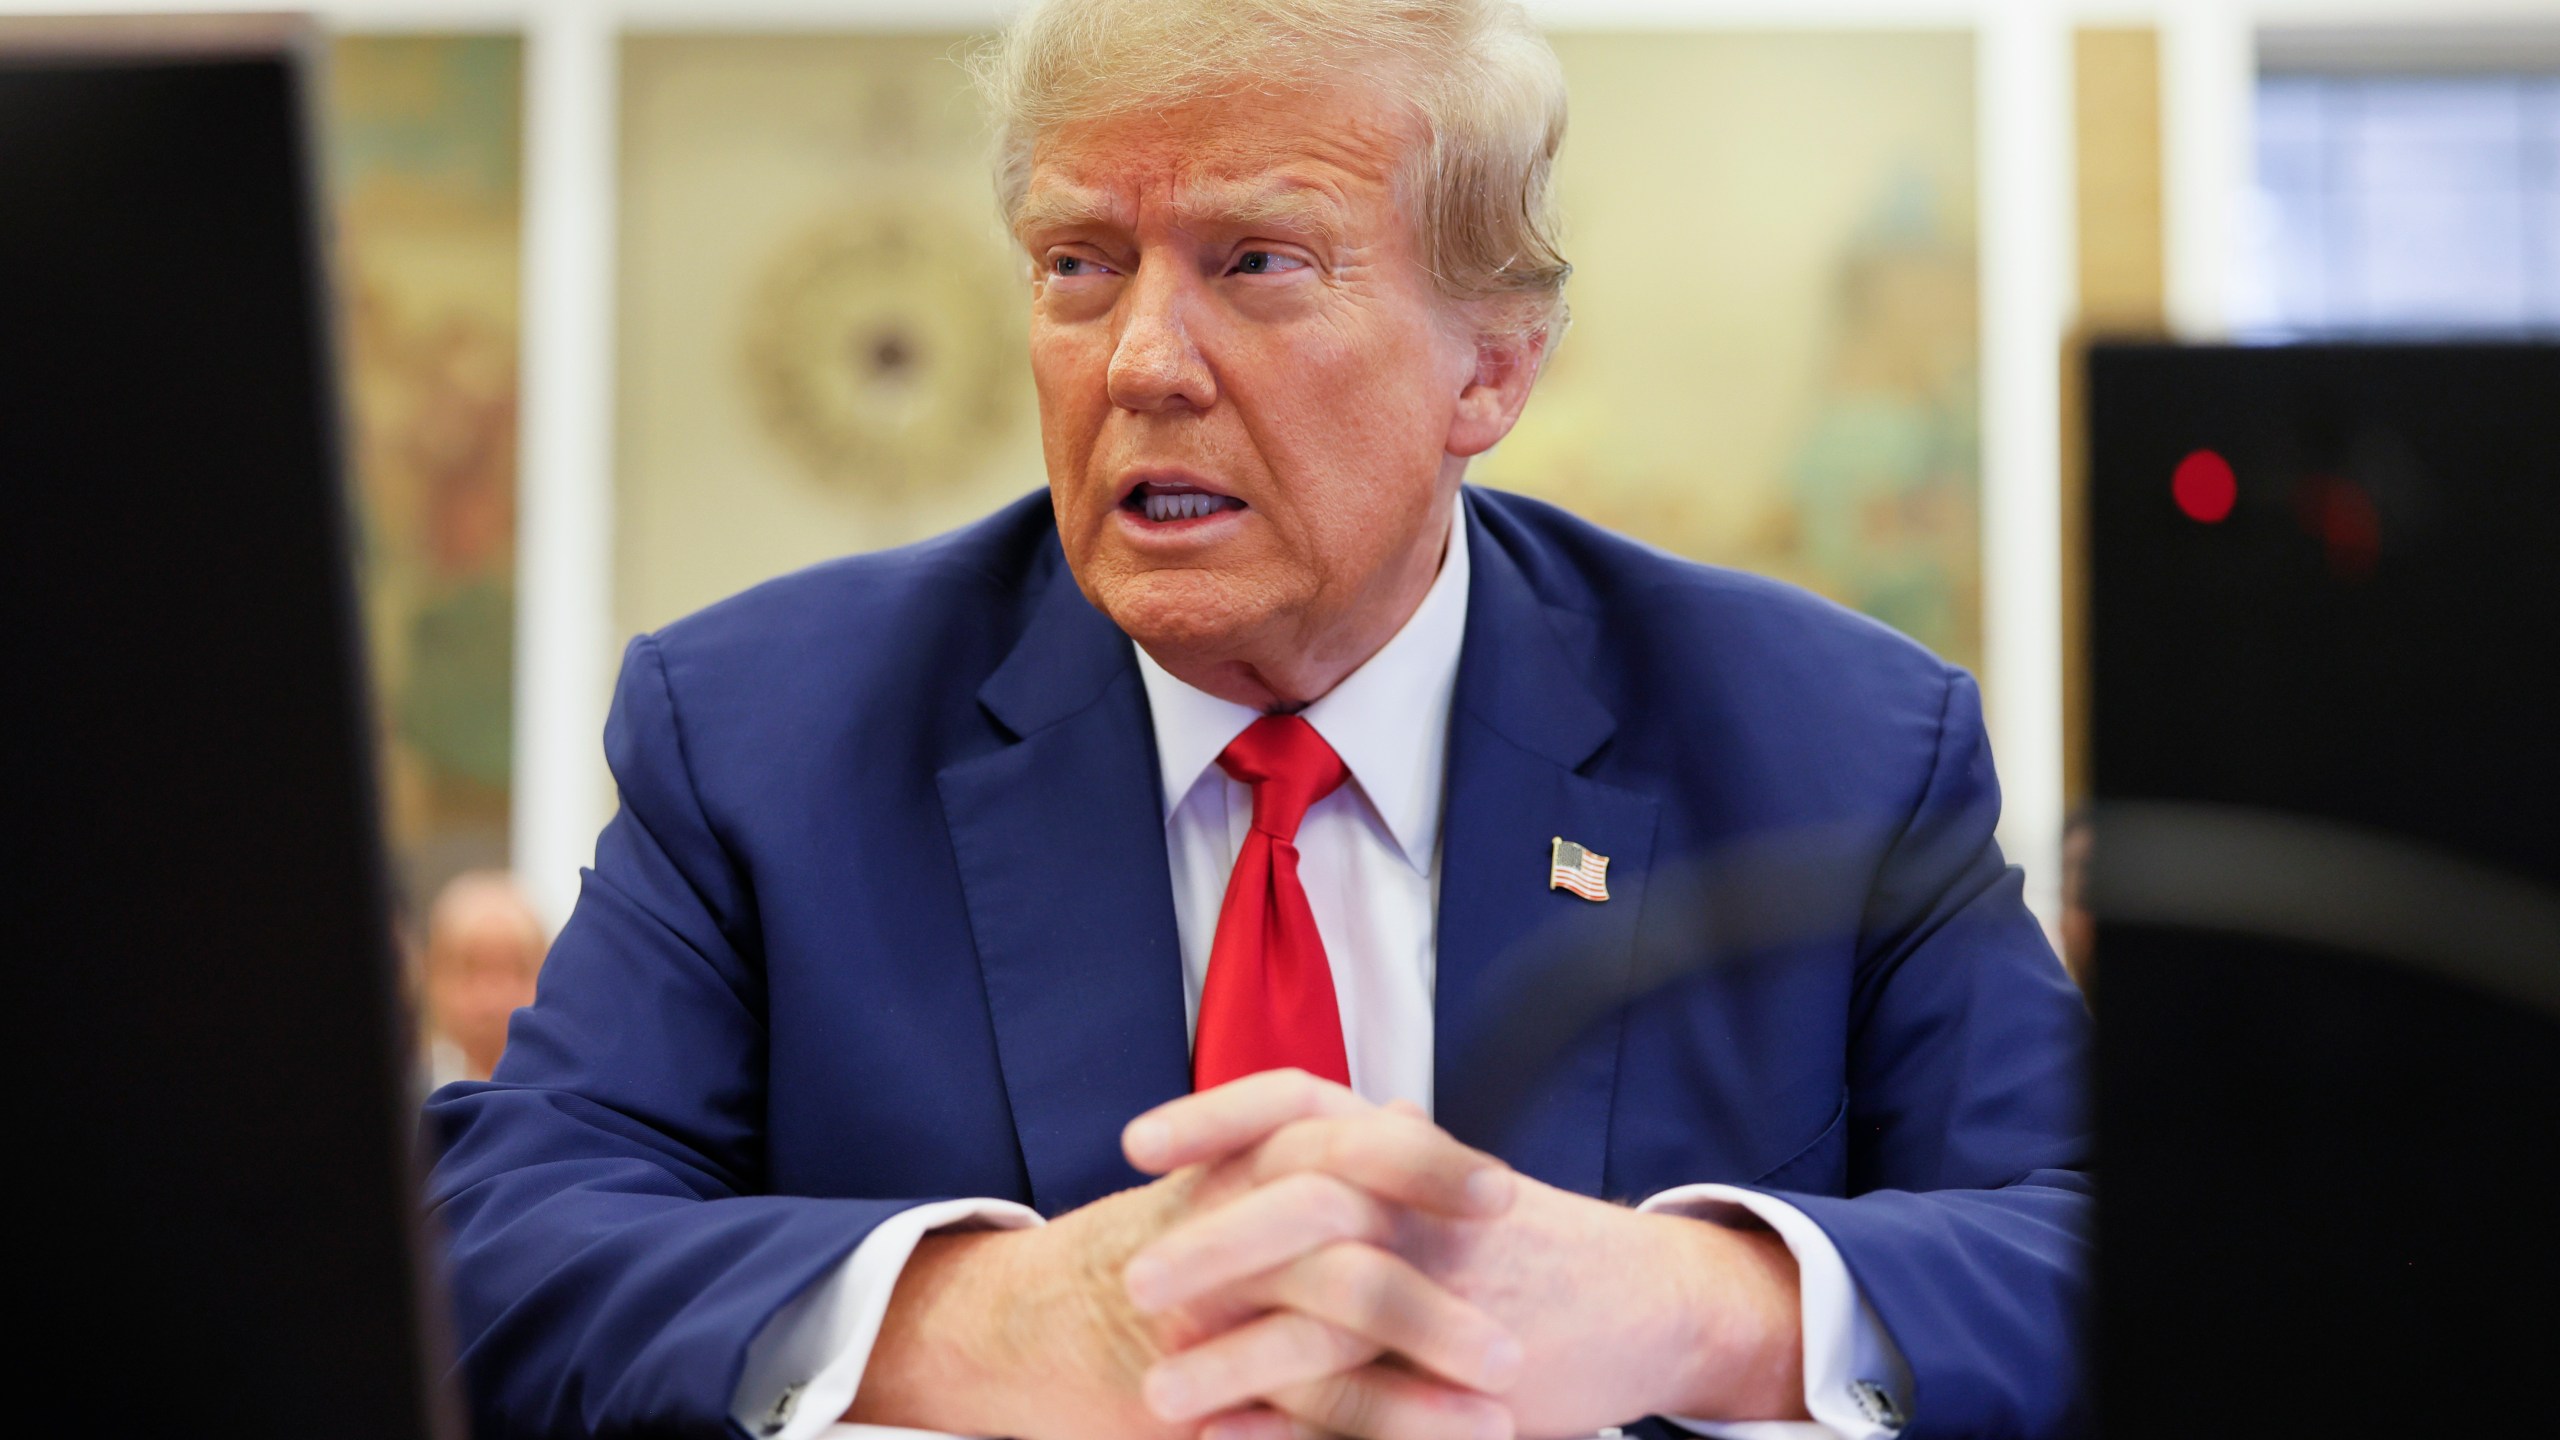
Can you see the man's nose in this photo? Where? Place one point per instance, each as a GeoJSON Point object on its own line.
{"type": "Point", "coordinates": [1156, 361]}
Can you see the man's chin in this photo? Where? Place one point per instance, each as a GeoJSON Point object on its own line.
{"type": "Point", "coordinates": [1199, 615]}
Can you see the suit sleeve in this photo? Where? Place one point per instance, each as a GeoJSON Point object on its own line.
{"type": "Point", "coordinates": [611, 1256]}
{"type": "Point", "coordinates": [1966, 1223]}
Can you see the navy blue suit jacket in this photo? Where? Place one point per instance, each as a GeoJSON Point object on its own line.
{"type": "Point", "coordinates": [885, 916]}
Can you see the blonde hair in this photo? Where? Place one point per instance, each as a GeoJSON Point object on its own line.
{"type": "Point", "coordinates": [1484, 83]}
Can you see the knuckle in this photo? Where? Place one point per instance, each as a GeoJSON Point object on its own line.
{"type": "Point", "coordinates": [1297, 1145]}
{"type": "Point", "coordinates": [1354, 1281]}
{"type": "Point", "coordinates": [1306, 1194]}
{"type": "Point", "coordinates": [1294, 1148]}
{"type": "Point", "coordinates": [1268, 1090]}
{"type": "Point", "coordinates": [1297, 1086]}
{"type": "Point", "coordinates": [1327, 1349]}
{"type": "Point", "coordinates": [1296, 1342]}
{"type": "Point", "coordinates": [1353, 1407]}
{"type": "Point", "coordinates": [1362, 1145]}
{"type": "Point", "coordinates": [1316, 1095]}
{"type": "Point", "coordinates": [1324, 1406]}
{"type": "Point", "coordinates": [1214, 1366]}
{"type": "Point", "coordinates": [1208, 1370]}
{"type": "Point", "coordinates": [1344, 1209]}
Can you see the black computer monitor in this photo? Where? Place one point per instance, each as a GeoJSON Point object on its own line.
{"type": "Point", "coordinates": [2324, 627]}
{"type": "Point", "coordinates": [214, 1144]}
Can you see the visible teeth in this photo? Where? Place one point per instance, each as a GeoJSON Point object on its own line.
{"type": "Point", "coordinates": [1163, 508]}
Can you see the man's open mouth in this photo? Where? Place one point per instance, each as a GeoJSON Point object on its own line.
{"type": "Point", "coordinates": [1171, 502]}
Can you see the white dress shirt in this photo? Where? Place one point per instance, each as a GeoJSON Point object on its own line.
{"type": "Point", "coordinates": [1369, 859]}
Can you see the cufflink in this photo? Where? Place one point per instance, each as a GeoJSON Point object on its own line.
{"type": "Point", "coordinates": [1877, 1404]}
{"type": "Point", "coordinates": [780, 1415]}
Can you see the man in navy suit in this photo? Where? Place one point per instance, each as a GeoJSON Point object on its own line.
{"type": "Point", "coordinates": [1265, 939]}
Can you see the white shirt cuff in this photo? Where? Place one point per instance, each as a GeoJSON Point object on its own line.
{"type": "Point", "coordinates": [805, 1364]}
{"type": "Point", "coordinates": [1856, 1386]}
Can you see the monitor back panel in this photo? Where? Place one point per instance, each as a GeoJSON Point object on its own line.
{"type": "Point", "coordinates": [215, 1205]}
{"type": "Point", "coordinates": [2323, 589]}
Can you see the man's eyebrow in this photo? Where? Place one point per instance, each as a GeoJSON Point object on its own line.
{"type": "Point", "coordinates": [1300, 208]}
{"type": "Point", "coordinates": [1065, 208]}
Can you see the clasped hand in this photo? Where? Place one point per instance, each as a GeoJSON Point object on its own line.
{"type": "Point", "coordinates": [1311, 1264]}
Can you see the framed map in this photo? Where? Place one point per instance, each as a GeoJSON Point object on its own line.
{"type": "Point", "coordinates": [1773, 360]}
{"type": "Point", "coordinates": [423, 145]}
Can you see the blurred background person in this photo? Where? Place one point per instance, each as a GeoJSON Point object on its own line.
{"type": "Point", "coordinates": [484, 947]}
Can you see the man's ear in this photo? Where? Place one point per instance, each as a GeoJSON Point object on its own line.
{"type": "Point", "coordinates": [1506, 367]}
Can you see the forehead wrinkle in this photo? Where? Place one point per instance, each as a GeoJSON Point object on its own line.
{"type": "Point", "coordinates": [1069, 207]}
{"type": "Point", "coordinates": [1286, 204]}
{"type": "Point", "coordinates": [1225, 178]}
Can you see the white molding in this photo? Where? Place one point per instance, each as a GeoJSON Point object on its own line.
{"type": "Point", "coordinates": [564, 533]}
{"type": "Point", "coordinates": [2208, 81]}
{"type": "Point", "coordinates": [2023, 121]}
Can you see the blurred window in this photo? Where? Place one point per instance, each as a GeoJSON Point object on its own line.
{"type": "Point", "coordinates": [2391, 204]}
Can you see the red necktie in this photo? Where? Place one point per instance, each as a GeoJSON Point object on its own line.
{"type": "Point", "coordinates": [1268, 1000]}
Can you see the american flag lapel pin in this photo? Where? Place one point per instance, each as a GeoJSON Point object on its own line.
{"type": "Point", "coordinates": [1584, 872]}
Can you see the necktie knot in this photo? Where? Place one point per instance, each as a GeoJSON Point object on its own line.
{"type": "Point", "coordinates": [1289, 767]}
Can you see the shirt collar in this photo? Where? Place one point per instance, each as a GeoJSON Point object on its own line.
{"type": "Point", "coordinates": [1388, 720]}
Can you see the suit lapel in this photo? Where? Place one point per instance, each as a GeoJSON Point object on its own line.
{"type": "Point", "coordinates": [1531, 980]}
{"type": "Point", "coordinates": [1060, 842]}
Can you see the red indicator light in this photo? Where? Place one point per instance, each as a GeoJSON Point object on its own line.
{"type": "Point", "coordinates": [2204, 487]}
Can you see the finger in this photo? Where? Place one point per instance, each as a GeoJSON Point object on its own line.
{"type": "Point", "coordinates": [1395, 1156]}
{"type": "Point", "coordinates": [1380, 1402]}
{"type": "Point", "coordinates": [1279, 1349]}
{"type": "Point", "coordinates": [1255, 1424]}
{"type": "Point", "coordinates": [1222, 1181]}
{"type": "Point", "coordinates": [1384, 1300]}
{"type": "Point", "coordinates": [1262, 1229]}
{"type": "Point", "coordinates": [1215, 1123]}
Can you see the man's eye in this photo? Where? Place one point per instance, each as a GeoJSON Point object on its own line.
{"type": "Point", "coordinates": [1267, 262]}
{"type": "Point", "coordinates": [1073, 265]}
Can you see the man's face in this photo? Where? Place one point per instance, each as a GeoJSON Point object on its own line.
{"type": "Point", "coordinates": [1248, 382]}
{"type": "Point", "coordinates": [477, 981]}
